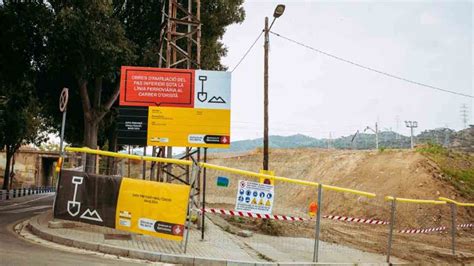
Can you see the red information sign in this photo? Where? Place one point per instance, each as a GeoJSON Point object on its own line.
{"type": "Point", "coordinates": [148, 86]}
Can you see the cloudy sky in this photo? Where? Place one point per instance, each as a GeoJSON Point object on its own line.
{"type": "Point", "coordinates": [312, 94]}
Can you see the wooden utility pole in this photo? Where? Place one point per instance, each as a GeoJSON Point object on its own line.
{"type": "Point", "coordinates": [276, 14]}
{"type": "Point", "coordinates": [265, 98]}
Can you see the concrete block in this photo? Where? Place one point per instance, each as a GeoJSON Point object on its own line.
{"type": "Point", "coordinates": [177, 259]}
{"type": "Point", "coordinates": [113, 250]}
{"type": "Point", "coordinates": [209, 261]}
{"type": "Point", "coordinates": [245, 233]}
{"type": "Point", "coordinates": [85, 245]}
{"type": "Point", "coordinates": [144, 255]}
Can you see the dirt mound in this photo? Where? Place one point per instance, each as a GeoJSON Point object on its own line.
{"type": "Point", "coordinates": [399, 173]}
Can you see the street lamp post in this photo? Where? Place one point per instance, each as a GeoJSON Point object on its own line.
{"type": "Point", "coordinates": [276, 14]}
{"type": "Point", "coordinates": [411, 125]}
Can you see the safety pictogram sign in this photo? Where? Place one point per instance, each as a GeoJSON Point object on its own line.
{"type": "Point", "coordinates": [254, 197]}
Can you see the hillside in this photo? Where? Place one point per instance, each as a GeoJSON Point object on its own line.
{"type": "Point", "coordinates": [463, 140]}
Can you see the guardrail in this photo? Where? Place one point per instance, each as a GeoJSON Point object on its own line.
{"type": "Point", "coordinates": [21, 192]}
{"type": "Point", "coordinates": [390, 198]}
{"type": "Point", "coordinates": [219, 168]}
{"type": "Point", "coordinates": [456, 202]}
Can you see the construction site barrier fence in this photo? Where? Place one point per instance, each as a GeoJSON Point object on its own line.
{"type": "Point", "coordinates": [376, 212]}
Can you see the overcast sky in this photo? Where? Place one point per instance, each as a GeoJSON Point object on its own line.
{"type": "Point", "coordinates": [312, 94]}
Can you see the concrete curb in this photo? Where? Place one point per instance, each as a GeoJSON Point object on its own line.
{"type": "Point", "coordinates": [34, 226]}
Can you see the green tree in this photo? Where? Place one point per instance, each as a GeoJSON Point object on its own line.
{"type": "Point", "coordinates": [216, 15]}
{"type": "Point", "coordinates": [87, 45]}
{"type": "Point", "coordinates": [21, 55]}
{"type": "Point", "coordinates": [90, 40]}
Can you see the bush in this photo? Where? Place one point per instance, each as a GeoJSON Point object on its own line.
{"type": "Point", "coordinates": [432, 148]}
{"type": "Point", "coordinates": [269, 227]}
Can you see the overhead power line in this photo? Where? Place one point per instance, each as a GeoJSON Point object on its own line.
{"type": "Point", "coordinates": [369, 68]}
{"type": "Point", "coordinates": [247, 52]}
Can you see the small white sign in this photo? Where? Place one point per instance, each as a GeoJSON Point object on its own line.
{"type": "Point", "coordinates": [196, 139]}
{"type": "Point", "coordinates": [212, 89]}
{"type": "Point", "coordinates": [125, 222]}
{"type": "Point", "coordinates": [254, 197]}
{"type": "Point", "coordinates": [146, 224]}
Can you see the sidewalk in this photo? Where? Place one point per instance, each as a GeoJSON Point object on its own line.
{"type": "Point", "coordinates": [218, 248]}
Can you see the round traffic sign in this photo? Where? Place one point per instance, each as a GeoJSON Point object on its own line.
{"type": "Point", "coordinates": [63, 99]}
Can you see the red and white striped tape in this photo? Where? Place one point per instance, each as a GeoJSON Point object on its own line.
{"type": "Point", "coordinates": [423, 231]}
{"type": "Point", "coordinates": [290, 218]}
{"type": "Point", "coordinates": [254, 215]}
{"type": "Point", "coordinates": [332, 217]}
{"type": "Point", "coordinates": [465, 225]}
{"type": "Point", "coordinates": [355, 220]}
{"type": "Point", "coordinates": [435, 229]}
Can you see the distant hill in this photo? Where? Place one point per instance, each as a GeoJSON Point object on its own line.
{"type": "Point", "coordinates": [463, 139]}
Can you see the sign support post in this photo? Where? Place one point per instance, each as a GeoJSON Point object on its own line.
{"type": "Point", "coordinates": [144, 163]}
{"type": "Point", "coordinates": [63, 99]}
{"type": "Point", "coordinates": [453, 227]}
{"type": "Point", "coordinates": [63, 108]}
{"type": "Point", "coordinates": [318, 224]}
{"type": "Point", "coordinates": [194, 173]}
{"type": "Point", "coordinates": [203, 195]}
{"type": "Point", "coordinates": [392, 223]}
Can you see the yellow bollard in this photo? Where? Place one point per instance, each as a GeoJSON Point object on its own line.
{"type": "Point", "coordinates": [267, 180]}
{"type": "Point", "coordinates": [59, 164]}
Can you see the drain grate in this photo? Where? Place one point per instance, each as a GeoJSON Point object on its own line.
{"type": "Point", "coordinates": [117, 237]}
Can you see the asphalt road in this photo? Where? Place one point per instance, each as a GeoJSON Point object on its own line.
{"type": "Point", "coordinates": [16, 250]}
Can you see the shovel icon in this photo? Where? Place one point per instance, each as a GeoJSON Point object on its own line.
{"type": "Point", "coordinates": [73, 206]}
{"type": "Point", "coordinates": [202, 96]}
